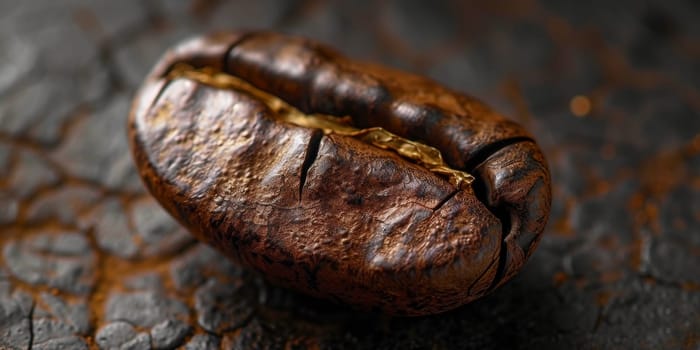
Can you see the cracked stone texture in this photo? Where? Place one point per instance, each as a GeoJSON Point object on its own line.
{"type": "Point", "coordinates": [169, 334]}
{"type": "Point", "coordinates": [71, 316]}
{"type": "Point", "coordinates": [15, 320]}
{"type": "Point", "coordinates": [9, 208]}
{"type": "Point", "coordinates": [198, 265]}
{"type": "Point", "coordinates": [159, 233]}
{"type": "Point", "coordinates": [30, 174]}
{"type": "Point", "coordinates": [111, 229]}
{"type": "Point", "coordinates": [89, 260]}
{"type": "Point", "coordinates": [109, 164]}
{"type": "Point", "coordinates": [223, 307]}
{"type": "Point", "coordinates": [121, 335]}
{"type": "Point", "coordinates": [63, 203]}
{"type": "Point", "coordinates": [144, 308]}
{"type": "Point", "coordinates": [203, 342]}
{"type": "Point", "coordinates": [62, 260]}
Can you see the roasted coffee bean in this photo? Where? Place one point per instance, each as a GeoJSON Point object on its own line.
{"type": "Point", "coordinates": [341, 179]}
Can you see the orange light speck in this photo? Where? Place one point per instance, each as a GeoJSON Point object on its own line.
{"type": "Point", "coordinates": [580, 105]}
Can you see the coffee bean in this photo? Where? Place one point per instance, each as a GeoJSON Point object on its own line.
{"type": "Point", "coordinates": [341, 179]}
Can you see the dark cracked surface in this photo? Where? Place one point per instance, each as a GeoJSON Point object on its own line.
{"type": "Point", "coordinates": [609, 89]}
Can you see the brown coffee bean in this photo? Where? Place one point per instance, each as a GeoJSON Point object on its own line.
{"type": "Point", "coordinates": [341, 179]}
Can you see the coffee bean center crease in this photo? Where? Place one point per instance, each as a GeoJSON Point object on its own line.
{"type": "Point", "coordinates": [419, 153]}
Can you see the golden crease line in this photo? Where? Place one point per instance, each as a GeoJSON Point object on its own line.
{"type": "Point", "coordinates": [422, 154]}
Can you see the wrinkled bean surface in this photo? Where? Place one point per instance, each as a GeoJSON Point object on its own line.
{"type": "Point", "coordinates": [326, 212]}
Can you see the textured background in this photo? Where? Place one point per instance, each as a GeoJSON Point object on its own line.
{"type": "Point", "coordinates": [609, 88]}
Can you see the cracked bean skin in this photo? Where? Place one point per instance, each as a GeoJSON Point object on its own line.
{"type": "Point", "coordinates": [330, 215]}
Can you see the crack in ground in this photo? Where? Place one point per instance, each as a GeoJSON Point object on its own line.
{"type": "Point", "coordinates": [31, 325]}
